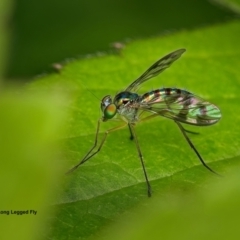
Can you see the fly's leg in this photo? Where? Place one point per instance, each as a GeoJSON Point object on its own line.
{"type": "Point", "coordinates": [130, 130]}
{"type": "Point", "coordinates": [91, 152]}
{"type": "Point", "coordinates": [131, 127]}
{"type": "Point", "coordinates": [196, 133]}
{"type": "Point", "coordinates": [194, 149]}
{"type": "Point", "coordinates": [183, 130]}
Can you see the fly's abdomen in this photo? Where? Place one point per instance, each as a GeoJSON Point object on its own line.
{"type": "Point", "coordinates": [181, 105]}
{"type": "Point", "coordinates": [163, 95]}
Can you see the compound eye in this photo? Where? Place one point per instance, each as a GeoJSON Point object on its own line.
{"type": "Point", "coordinates": [110, 111]}
{"type": "Point", "coordinates": [106, 101]}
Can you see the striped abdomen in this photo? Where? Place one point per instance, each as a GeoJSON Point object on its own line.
{"type": "Point", "coordinates": [180, 105]}
{"type": "Point", "coordinates": [163, 94]}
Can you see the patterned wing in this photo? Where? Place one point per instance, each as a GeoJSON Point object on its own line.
{"type": "Point", "coordinates": [180, 105]}
{"type": "Point", "coordinates": [156, 68]}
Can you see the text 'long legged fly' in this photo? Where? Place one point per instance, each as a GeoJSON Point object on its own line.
{"type": "Point", "coordinates": [176, 104]}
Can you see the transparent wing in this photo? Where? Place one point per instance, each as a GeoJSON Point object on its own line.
{"type": "Point", "coordinates": [156, 68]}
{"type": "Point", "coordinates": [188, 109]}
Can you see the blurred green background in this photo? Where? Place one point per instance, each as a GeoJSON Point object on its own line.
{"type": "Point", "coordinates": [48, 31]}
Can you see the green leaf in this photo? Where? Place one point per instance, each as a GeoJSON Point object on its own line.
{"type": "Point", "coordinates": [112, 182]}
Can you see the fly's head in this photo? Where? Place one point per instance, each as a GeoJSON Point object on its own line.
{"type": "Point", "coordinates": [109, 109]}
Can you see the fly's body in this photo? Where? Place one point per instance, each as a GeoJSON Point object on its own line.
{"type": "Point", "coordinates": [176, 104]}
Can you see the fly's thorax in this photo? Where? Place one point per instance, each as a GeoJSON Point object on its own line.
{"type": "Point", "coordinates": [127, 105]}
{"type": "Point", "coordinates": [109, 109]}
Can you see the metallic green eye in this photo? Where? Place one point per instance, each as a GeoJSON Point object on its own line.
{"type": "Point", "coordinates": [110, 111]}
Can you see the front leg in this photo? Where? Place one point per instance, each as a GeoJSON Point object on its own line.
{"type": "Point", "coordinates": [91, 152]}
